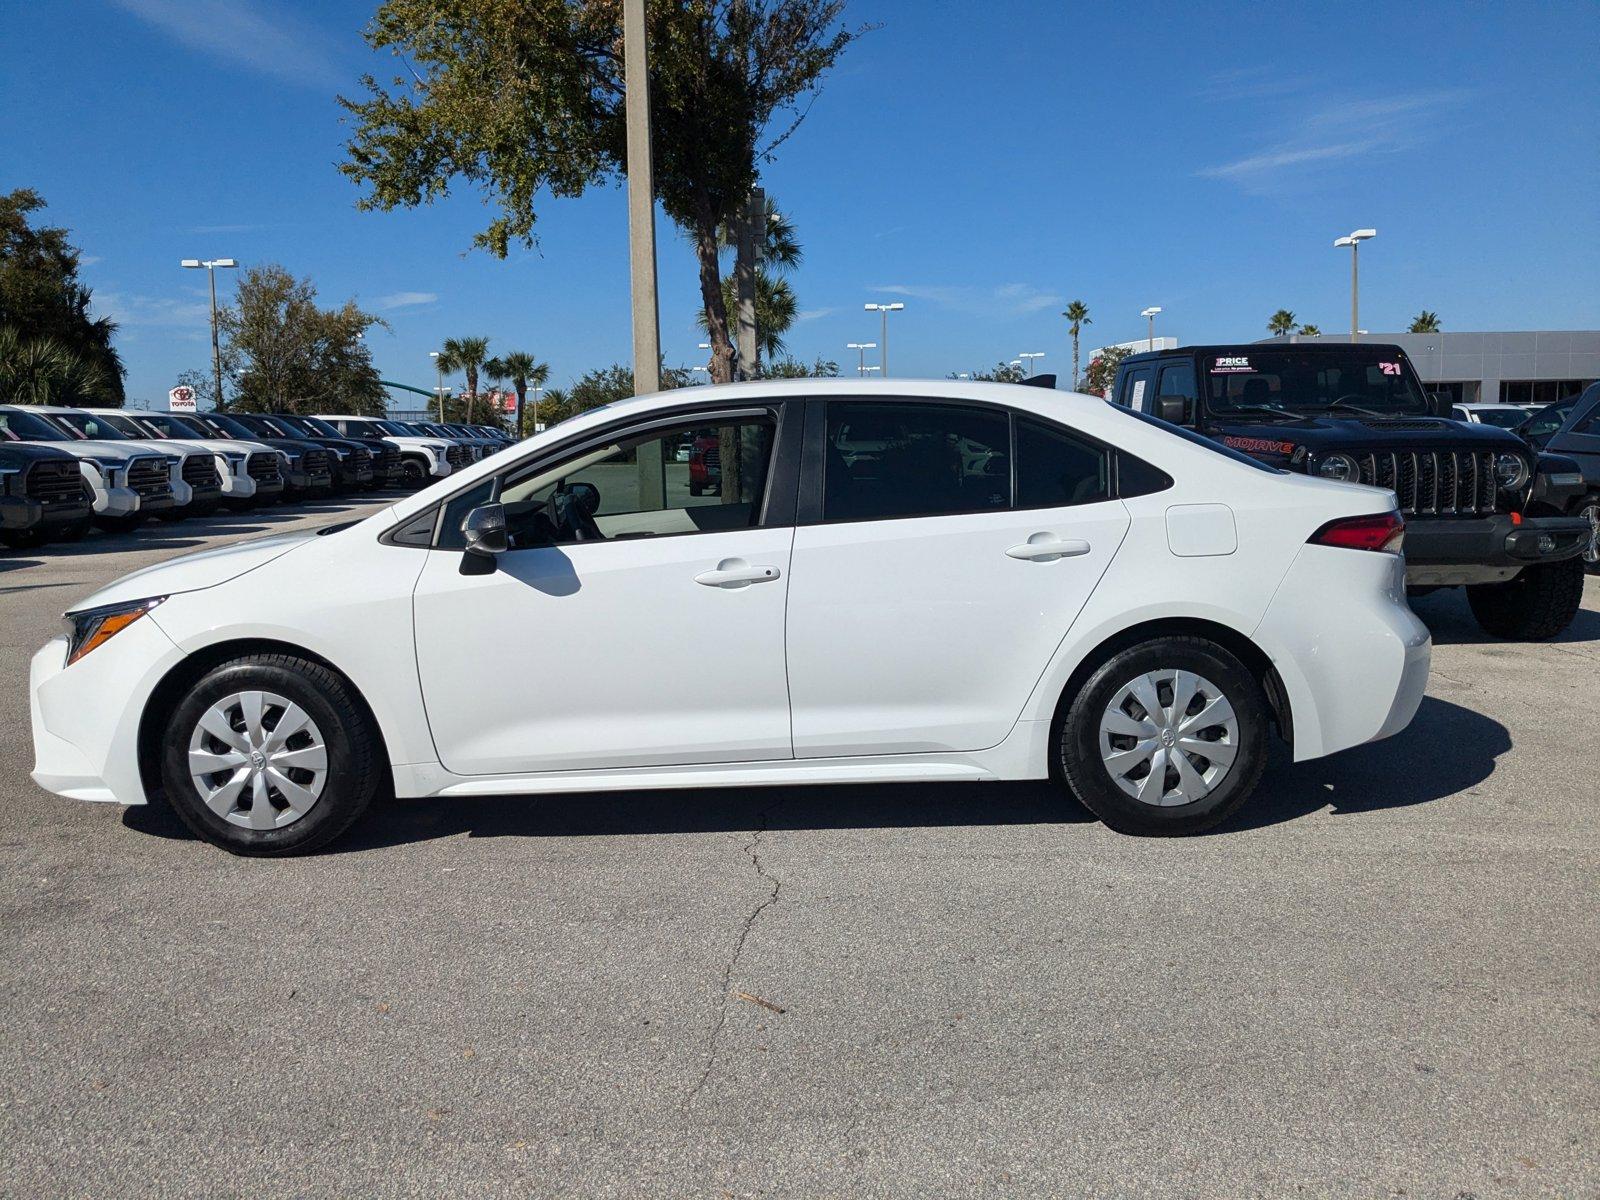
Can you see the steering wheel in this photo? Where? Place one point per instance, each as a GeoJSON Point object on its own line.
{"type": "Point", "coordinates": [572, 509]}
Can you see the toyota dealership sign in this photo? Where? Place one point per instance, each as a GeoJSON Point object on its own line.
{"type": "Point", "coordinates": [181, 399]}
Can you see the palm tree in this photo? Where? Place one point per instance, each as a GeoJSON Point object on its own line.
{"type": "Point", "coordinates": [465, 355]}
{"type": "Point", "coordinates": [776, 311]}
{"type": "Point", "coordinates": [1078, 313]}
{"type": "Point", "coordinates": [521, 369]}
{"type": "Point", "coordinates": [1424, 322]}
{"type": "Point", "coordinates": [44, 370]}
{"type": "Point", "coordinates": [1281, 322]}
{"type": "Point", "coordinates": [1310, 331]}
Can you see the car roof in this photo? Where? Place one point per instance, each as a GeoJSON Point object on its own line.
{"type": "Point", "coordinates": [1257, 348]}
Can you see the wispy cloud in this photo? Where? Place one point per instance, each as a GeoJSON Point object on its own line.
{"type": "Point", "coordinates": [131, 309]}
{"type": "Point", "coordinates": [1252, 83]}
{"type": "Point", "coordinates": [1338, 131]}
{"type": "Point", "coordinates": [1006, 299]}
{"type": "Point", "coordinates": [406, 299]}
{"type": "Point", "coordinates": [224, 228]}
{"type": "Point", "coordinates": [260, 36]}
{"type": "Point", "coordinates": [814, 314]}
{"type": "Point", "coordinates": [89, 260]}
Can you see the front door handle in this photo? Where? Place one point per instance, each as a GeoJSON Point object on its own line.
{"type": "Point", "coordinates": [736, 573]}
{"type": "Point", "coordinates": [1047, 547]}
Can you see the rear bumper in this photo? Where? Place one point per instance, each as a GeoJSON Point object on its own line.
{"type": "Point", "coordinates": [1357, 672]}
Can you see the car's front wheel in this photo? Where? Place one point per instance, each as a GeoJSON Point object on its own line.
{"type": "Point", "coordinates": [1537, 604]}
{"type": "Point", "coordinates": [1167, 737]}
{"type": "Point", "coordinates": [1589, 510]}
{"type": "Point", "coordinates": [270, 754]}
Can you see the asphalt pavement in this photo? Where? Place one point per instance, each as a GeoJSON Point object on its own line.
{"type": "Point", "coordinates": [1383, 979]}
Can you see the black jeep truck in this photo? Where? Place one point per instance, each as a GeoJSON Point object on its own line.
{"type": "Point", "coordinates": [42, 495]}
{"type": "Point", "coordinates": [1483, 509]}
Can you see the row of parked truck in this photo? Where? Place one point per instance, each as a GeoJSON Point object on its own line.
{"type": "Point", "coordinates": [66, 470]}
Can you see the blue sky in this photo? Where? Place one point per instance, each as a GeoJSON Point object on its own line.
{"type": "Point", "coordinates": [983, 164]}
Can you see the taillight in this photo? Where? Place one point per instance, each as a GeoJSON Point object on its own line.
{"type": "Point", "coordinates": [1383, 531]}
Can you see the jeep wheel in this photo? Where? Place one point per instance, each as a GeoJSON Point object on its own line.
{"type": "Point", "coordinates": [1590, 511]}
{"type": "Point", "coordinates": [1538, 604]}
{"type": "Point", "coordinates": [270, 754]}
{"type": "Point", "coordinates": [1166, 738]}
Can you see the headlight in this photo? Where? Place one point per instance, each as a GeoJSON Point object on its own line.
{"type": "Point", "coordinates": [108, 468]}
{"type": "Point", "coordinates": [1341, 467]}
{"type": "Point", "coordinates": [1510, 471]}
{"type": "Point", "coordinates": [93, 627]}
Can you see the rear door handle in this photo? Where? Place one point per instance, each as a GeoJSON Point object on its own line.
{"type": "Point", "coordinates": [1047, 547]}
{"type": "Point", "coordinates": [736, 573]}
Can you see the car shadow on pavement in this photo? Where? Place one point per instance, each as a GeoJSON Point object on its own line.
{"type": "Point", "coordinates": [1401, 771]}
{"type": "Point", "coordinates": [194, 533]}
{"type": "Point", "coordinates": [1451, 622]}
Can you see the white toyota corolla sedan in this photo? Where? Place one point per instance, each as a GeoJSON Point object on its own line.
{"type": "Point", "coordinates": [839, 582]}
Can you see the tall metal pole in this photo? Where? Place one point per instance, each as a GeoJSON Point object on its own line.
{"type": "Point", "coordinates": [216, 348]}
{"type": "Point", "coordinates": [641, 201]}
{"type": "Point", "coordinates": [883, 341]}
{"type": "Point", "coordinates": [1355, 284]}
{"type": "Point", "coordinates": [1151, 331]}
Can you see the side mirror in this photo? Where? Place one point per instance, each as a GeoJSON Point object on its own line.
{"type": "Point", "coordinates": [1442, 403]}
{"type": "Point", "coordinates": [1175, 410]}
{"type": "Point", "coordinates": [485, 531]}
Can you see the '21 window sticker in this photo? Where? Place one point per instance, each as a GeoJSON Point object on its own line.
{"type": "Point", "coordinates": [1389, 368]}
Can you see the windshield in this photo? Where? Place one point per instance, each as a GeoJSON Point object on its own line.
{"type": "Point", "coordinates": [1505, 418]}
{"type": "Point", "coordinates": [1375, 380]}
{"type": "Point", "coordinates": [231, 426]}
{"type": "Point", "coordinates": [30, 427]}
{"type": "Point", "coordinates": [124, 425]}
{"type": "Point", "coordinates": [90, 427]}
{"type": "Point", "coordinates": [319, 427]}
{"type": "Point", "coordinates": [395, 428]}
{"type": "Point", "coordinates": [183, 429]}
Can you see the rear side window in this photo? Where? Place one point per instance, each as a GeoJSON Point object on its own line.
{"type": "Point", "coordinates": [1055, 469]}
{"type": "Point", "coordinates": [1177, 379]}
{"type": "Point", "coordinates": [1133, 391]}
{"type": "Point", "coordinates": [914, 460]}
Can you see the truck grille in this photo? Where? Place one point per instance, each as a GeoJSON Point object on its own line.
{"type": "Point", "coordinates": [55, 483]}
{"type": "Point", "coordinates": [360, 458]}
{"type": "Point", "coordinates": [200, 472]}
{"type": "Point", "coordinates": [456, 456]}
{"type": "Point", "coordinates": [1434, 483]}
{"type": "Point", "coordinates": [315, 462]}
{"type": "Point", "coordinates": [263, 468]}
{"type": "Point", "coordinates": [148, 477]}
{"type": "Point", "coordinates": [386, 459]}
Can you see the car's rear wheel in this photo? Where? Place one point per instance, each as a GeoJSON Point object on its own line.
{"type": "Point", "coordinates": [270, 754]}
{"type": "Point", "coordinates": [1167, 737]}
{"type": "Point", "coordinates": [1538, 604]}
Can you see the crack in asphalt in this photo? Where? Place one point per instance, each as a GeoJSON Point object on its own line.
{"type": "Point", "coordinates": [753, 850]}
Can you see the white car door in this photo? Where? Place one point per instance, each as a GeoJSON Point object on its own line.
{"type": "Point", "coordinates": [657, 641]}
{"type": "Point", "coordinates": [927, 602]}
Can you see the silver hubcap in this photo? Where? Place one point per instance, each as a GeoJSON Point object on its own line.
{"type": "Point", "coordinates": [1592, 511]}
{"type": "Point", "coordinates": [258, 760]}
{"type": "Point", "coordinates": [1169, 737]}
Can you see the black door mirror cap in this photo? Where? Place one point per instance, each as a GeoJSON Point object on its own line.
{"type": "Point", "coordinates": [485, 531]}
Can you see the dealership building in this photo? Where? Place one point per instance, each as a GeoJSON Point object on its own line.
{"type": "Point", "coordinates": [1538, 367]}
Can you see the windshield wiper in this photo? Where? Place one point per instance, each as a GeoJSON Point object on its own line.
{"type": "Point", "coordinates": [1346, 406]}
{"type": "Point", "coordinates": [1259, 408]}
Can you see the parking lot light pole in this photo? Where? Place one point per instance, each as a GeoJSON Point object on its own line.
{"type": "Point", "coordinates": [1032, 358]}
{"type": "Point", "coordinates": [211, 265]}
{"type": "Point", "coordinates": [1149, 315]}
{"type": "Point", "coordinates": [863, 347]}
{"type": "Point", "coordinates": [1354, 241]}
{"type": "Point", "coordinates": [883, 310]}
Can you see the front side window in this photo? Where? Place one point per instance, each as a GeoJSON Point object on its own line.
{"type": "Point", "coordinates": [883, 461]}
{"type": "Point", "coordinates": [29, 427]}
{"type": "Point", "coordinates": [634, 487]}
{"type": "Point", "coordinates": [91, 427]}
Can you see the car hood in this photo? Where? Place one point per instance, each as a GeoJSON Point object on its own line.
{"type": "Point", "coordinates": [115, 450]}
{"type": "Point", "coordinates": [195, 572]}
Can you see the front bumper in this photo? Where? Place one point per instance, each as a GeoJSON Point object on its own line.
{"type": "Point", "coordinates": [238, 486]}
{"type": "Point", "coordinates": [20, 513]}
{"type": "Point", "coordinates": [1500, 542]}
{"type": "Point", "coordinates": [300, 481]}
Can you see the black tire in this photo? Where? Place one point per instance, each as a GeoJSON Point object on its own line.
{"type": "Point", "coordinates": [413, 473]}
{"type": "Point", "coordinates": [1590, 508]}
{"type": "Point", "coordinates": [355, 768]}
{"type": "Point", "coordinates": [1083, 765]}
{"type": "Point", "coordinates": [75, 531]}
{"type": "Point", "coordinates": [1538, 604]}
